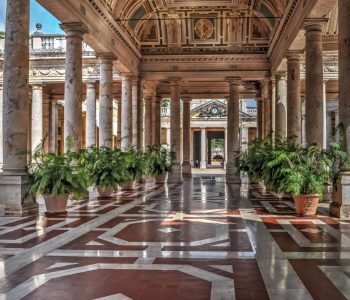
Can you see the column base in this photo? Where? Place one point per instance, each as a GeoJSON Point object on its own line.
{"type": "Point", "coordinates": [203, 165]}
{"type": "Point", "coordinates": [186, 169]}
{"type": "Point", "coordinates": [232, 176]}
{"type": "Point", "coordinates": [175, 175]}
{"type": "Point", "coordinates": [340, 206]}
{"type": "Point", "coordinates": [14, 195]}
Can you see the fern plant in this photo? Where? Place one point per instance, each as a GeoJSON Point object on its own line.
{"type": "Point", "coordinates": [160, 160]}
{"type": "Point", "coordinates": [56, 174]}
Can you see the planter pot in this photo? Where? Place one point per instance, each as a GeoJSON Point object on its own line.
{"type": "Point", "coordinates": [160, 179]}
{"type": "Point", "coordinates": [57, 204]}
{"type": "Point", "coordinates": [306, 205]}
{"type": "Point", "coordinates": [74, 196]}
{"type": "Point", "coordinates": [105, 191]}
{"type": "Point", "coordinates": [127, 185]}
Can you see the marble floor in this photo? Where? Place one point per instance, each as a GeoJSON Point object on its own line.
{"type": "Point", "coordinates": [197, 240]}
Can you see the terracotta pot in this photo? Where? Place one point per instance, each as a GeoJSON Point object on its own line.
{"type": "Point", "coordinates": [127, 185]}
{"type": "Point", "coordinates": [160, 179]}
{"type": "Point", "coordinates": [306, 205]}
{"type": "Point", "coordinates": [105, 191]}
{"type": "Point", "coordinates": [57, 204]}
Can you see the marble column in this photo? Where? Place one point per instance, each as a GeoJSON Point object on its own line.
{"type": "Point", "coordinates": [260, 120]}
{"type": "Point", "coordinates": [37, 117]}
{"type": "Point", "coordinates": [273, 106]}
{"type": "Point", "coordinates": [140, 114]}
{"type": "Point", "coordinates": [329, 129]}
{"type": "Point", "coordinates": [53, 124]}
{"type": "Point", "coordinates": [266, 106]}
{"type": "Point", "coordinates": [158, 131]}
{"type": "Point", "coordinates": [106, 100]}
{"type": "Point", "coordinates": [175, 126]}
{"type": "Point", "coordinates": [168, 138]}
{"type": "Point", "coordinates": [244, 138]}
{"type": "Point", "coordinates": [281, 106]}
{"type": "Point", "coordinates": [186, 137]}
{"type": "Point", "coordinates": [314, 84]}
{"type": "Point", "coordinates": [90, 114]}
{"type": "Point", "coordinates": [340, 206]}
{"type": "Point", "coordinates": [119, 121]}
{"type": "Point", "coordinates": [148, 120]}
{"type": "Point", "coordinates": [73, 84]}
{"type": "Point", "coordinates": [324, 114]}
{"type": "Point", "coordinates": [233, 140]}
{"type": "Point", "coordinates": [293, 98]}
{"type": "Point", "coordinates": [156, 120]}
{"type": "Point", "coordinates": [134, 97]}
{"type": "Point", "coordinates": [336, 117]}
{"type": "Point", "coordinates": [14, 180]}
{"type": "Point", "coordinates": [203, 164]}
{"type": "Point", "coordinates": [1, 126]}
{"type": "Point", "coordinates": [303, 129]}
{"type": "Point", "coordinates": [226, 137]}
{"type": "Point", "coordinates": [126, 138]}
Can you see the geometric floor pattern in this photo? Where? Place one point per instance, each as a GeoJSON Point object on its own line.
{"type": "Point", "coordinates": [196, 240]}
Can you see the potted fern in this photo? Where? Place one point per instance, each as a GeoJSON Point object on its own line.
{"type": "Point", "coordinates": [135, 168]}
{"type": "Point", "coordinates": [160, 163]}
{"type": "Point", "coordinates": [55, 177]}
{"type": "Point", "coordinates": [107, 169]}
{"type": "Point", "coordinates": [302, 172]}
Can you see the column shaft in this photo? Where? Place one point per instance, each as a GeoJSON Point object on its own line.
{"type": "Point", "coordinates": [53, 146]}
{"type": "Point", "coordinates": [140, 114]}
{"type": "Point", "coordinates": [233, 141]}
{"type": "Point", "coordinates": [175, 134]}
{"type": "Point", "coordinates": [14, 180]}
{"type": "Point", "coordinates": [281, 106]}
{"type": "Point", "coordinates": [1, 125]}
{"type": "Point", "coordinates": [106, 101]}
{"type": "Point", "coordinates": [293, 98]}
{"type": "Point", "coordinates": [37, 117]}
{"type": "Point", "coordinates": [126, 133]}
{"type": "Point", "coordinates": [203, 148]}
{"type": "Point", "coordinates": [119, 121]}
{"type": "Point", "coordinates": [314, 85]}
{"type": "Point", "coordinates": [186, 136]}
{"type": "Point", "coordinates": [90, 114]}
{"type": "Point", "coordinates": [148, 121]}
{"type": "Point", "coordinates": [135, 115]}
{"type": "Point", "coordinates": [73, 85]}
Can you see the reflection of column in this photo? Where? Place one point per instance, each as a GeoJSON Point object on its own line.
{"type": "Point", "coordinates": [203, 148]}
{"type": "Point", "coordinates": [37, 116]}
{"type": "Point", "coordinates": [233, 142]}
{"type": "Point", "coordinates": [1, 134]}
{"type": "Point", "coordinates": [148, 121]}
{"type": "Point", "coordinates": [314, 85]}
{"type": "Point", "coordinates": [73, 119]}
{"type": "Point", "coordinates": [175, 127]}
{"type": "Point", "coordinates": [90, 114]}
{"type": "Point", "coordinates": [106, 101]}
{"type": "Point", "coordinates": [281, 106]}
{"type": "Point", "coordinates": [126, 133]}
{"type": "Point", "coordinates": [134, 112]}
{"type": "Point", "coordinates": [53, 141]}
{"type": "Point", "coordinates": [293, 98]}
{"type": "Point", "coordinates": [186, 136]}
{"type": "Point", "coordinates": [14, 181]}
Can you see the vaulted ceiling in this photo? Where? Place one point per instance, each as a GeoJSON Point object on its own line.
{"type": "Point", "coordinates": [163, 26]}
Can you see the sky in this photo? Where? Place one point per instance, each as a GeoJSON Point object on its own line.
{"type": "Point", "coordinates": [38, 14]}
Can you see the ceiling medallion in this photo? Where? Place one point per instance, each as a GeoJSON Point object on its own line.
{"type": "Point", "coordinates": [204, 28]}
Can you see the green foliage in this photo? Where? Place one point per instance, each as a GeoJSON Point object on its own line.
{"type": "Point", "coordinates": [2, 34]}
{"type": "Point", "coordinates": [136, 164]}
{"type": "Point", "coordinates": [57, 174]}
{"type": "Point", "coordinates": [159, 160]}
{"type": "Point", "coordinates": [106, 167]}
{"type": "Point", "coordinates": [291, 168]}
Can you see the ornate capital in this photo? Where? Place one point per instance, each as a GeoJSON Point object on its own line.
{"type": "Point", "coordinates": [75, 29]}
{"type": "Point", "coordinates": [106, 57]}
{"type": "Point", "coordinates": [234, 80]}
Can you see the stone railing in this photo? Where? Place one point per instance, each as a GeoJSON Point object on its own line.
{"type": "Point", "coordinates": [251, 111]}
{"type": "Point", "coordinates": [165, 111]}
